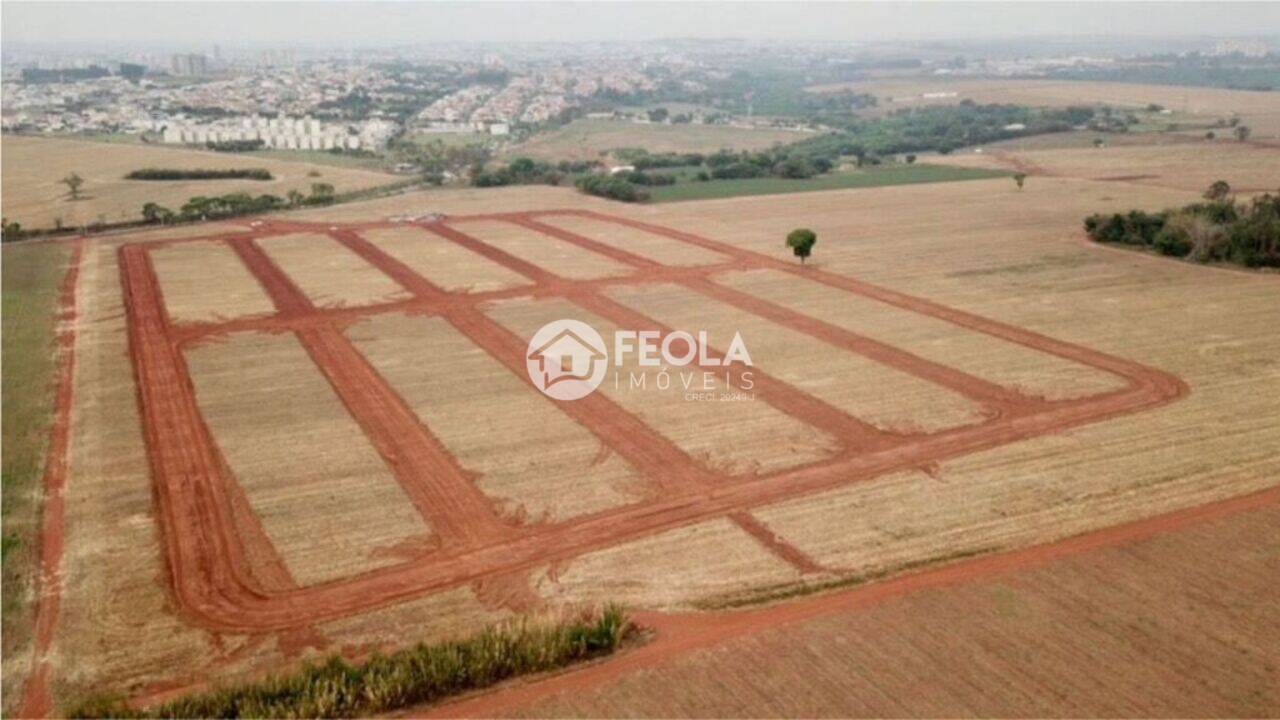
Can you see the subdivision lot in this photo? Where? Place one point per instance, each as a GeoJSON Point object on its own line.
{"type": "Point", "coordinates": [315, 486]}
{"type": "Point", "coordinates": [695, 461]}
{"type": "Point", "coordinates": [207, 282]}
{"type": "Point", "coordinates": [34, 165]}
{"type": "Point", "coordinates": [648, 513]}
{"type": "Point", "coordinates": [446, 264]}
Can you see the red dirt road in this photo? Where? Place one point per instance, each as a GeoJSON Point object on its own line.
{"type": "Point", "coordinates": [213, 575]}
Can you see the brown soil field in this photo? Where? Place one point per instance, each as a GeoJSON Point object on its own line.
{"type": "Point", "coordinates": [1247, 167]}
{"type": "Point", "coordinates": [442, 262]}
{"type": "Point", "coordinates": [588, 139]}
{"type": "Point", "coordinates": [1180, 624]}
{"type": "Point", "coordinates": [32, 167]}
{"type": "Point", "coordinates": [206, 282]}
{"type": "Point", "coordinates": [329, 274]}
{"type": "Point", "coordinates": [188, 425]}
{"type": "Point", "coordinates": [300, 462]}
{"type": "Point", "coordinates": [525, 454]}
{"type": "Point", "coordinates": [1258, 110]}
{"type": "Point", "coordinates": [658, 248]}
{"type": "Point", "coordinates": [549, 253]}
{"type": "Point", "coordinates": [732, 437]}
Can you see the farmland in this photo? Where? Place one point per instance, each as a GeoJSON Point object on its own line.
{"type": "Point", "coordinates": [588, 139]}
{"type": "Point", "coordinates": [313, 433]}
{"type": "Point", "coordinates": [34, 166]}
{"type": "Point", "coordinates": [839, 180]}
{"type": "Point", "coordinates": [32, 279]}
{"type": "Point", "coordinates": [1259, 110]}
{"type": "Point", "coordinates": [1249, 168]}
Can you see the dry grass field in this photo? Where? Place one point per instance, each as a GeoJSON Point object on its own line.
{"type": "Point", "coordinates": [1248, 167]}
{"type": "Point", "coordinates": [360, 462]}
{"type": "Point", "coordinates": [32, 167]}
{"type": "Point", "coordinates": [588, 139]}
{"type": "Point", "coordinates": [1196, 603]}
{"type": "Point", "coordinates": [1259, 110]}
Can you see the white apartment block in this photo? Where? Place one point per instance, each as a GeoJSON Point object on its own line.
{"type": "Point", "coordinates": [305, 133]}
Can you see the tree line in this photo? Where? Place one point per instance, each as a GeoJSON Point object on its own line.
{"type": "Point", "coordinates": [203, 207]}
{"type": "Point", "coordinates": [1221, 229]}
{"type": "Point", "coordinates": [200, 174]}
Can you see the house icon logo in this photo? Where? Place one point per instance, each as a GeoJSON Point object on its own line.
{"type": "Point", "coordinates": [566, 359]}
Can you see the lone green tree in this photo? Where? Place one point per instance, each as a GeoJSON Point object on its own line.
{"type": "Point", "coordinates": [1242, 132]}
{"type": "Point", "coordinates": [73, 182]}
{"type": "Point", "coordinates": [1020, 178]}
{"type": "Point", "coordinates": [801, 242]}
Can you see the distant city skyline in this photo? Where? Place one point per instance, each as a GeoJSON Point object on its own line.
{"type": "Point", "coordinates": [347, 24]}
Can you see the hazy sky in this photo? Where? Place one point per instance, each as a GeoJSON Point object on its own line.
{"type": "Point", "coordinates": [394, 23]}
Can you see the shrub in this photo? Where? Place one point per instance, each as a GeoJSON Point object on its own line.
{"type": "Point", "coordinates": [612, 187]}
{"type": "Point", "coordinates": [651, 179]}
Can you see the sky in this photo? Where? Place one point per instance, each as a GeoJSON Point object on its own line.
{"type": "Point", "coordinates": [369, 24]}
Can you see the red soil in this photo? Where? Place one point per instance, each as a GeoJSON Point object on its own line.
{"type": "Point", "coordinates": [215, 581]}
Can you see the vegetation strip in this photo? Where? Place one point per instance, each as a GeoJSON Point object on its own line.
{"type": "Point", "coordinates": [32, 275]}
{"type": "Point", "coordinates": [887, 176]}
{"type": "Point", "coordinates": [35, 694]}
{"type": "Point", "coordinates": [200, 174]}
{"type": "Point", "coordinates": [421, 674]}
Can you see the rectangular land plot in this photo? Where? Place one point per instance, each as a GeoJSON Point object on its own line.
{"type": "Point", "coordinates": [207, 282]}
{"type": "Point", "coordinates": [878, 394]}
{"type": "Point", "coordinates": [329, 274]}
{"type": "Point", "coordinates": [554, 255]}
{"type": "Point", "coordinates": [446, 264]}
{"type": "Point", "coordinates": [1017, 367]}
{"type": "Point", "coordinates": [658, 248]}
{"type": "Point", "coordinates": [732, 437]}
{"type": "Point", "coordinates": [524, 451]}
{"type": "Point", "coordinates": [323, 495]}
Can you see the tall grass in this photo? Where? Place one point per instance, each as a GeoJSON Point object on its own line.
{"type": "Point", "coordinates": [421, 674]}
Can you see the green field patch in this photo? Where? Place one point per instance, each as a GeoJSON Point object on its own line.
{"type": "Point", "coordinates": [883, 176]}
